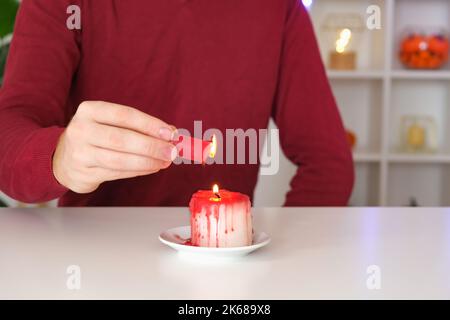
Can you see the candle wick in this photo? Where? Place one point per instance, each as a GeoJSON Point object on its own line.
{"type": "Point", "coordinates": [217, 195]}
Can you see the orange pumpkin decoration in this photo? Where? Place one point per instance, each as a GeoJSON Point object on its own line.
{"type": "Point", "coordinates": [424, 52]}
{"type": "Point", "coordinates": [351, 138]}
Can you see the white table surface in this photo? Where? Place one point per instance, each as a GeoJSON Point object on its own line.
{"type": "Point", "coordinates": [314, 253]}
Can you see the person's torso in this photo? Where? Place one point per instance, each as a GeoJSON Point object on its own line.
{"type": "Point", "coordinates": [181, 61]}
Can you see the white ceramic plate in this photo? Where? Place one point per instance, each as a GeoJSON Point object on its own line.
{"type": "Point", "coordinates": [176, 237]}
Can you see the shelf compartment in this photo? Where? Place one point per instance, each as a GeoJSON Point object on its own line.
{"type": "Point", "coordinates": [427, 183]}
{"type": "Point", "coordinates": [420, 97]}
{"type": "Point", "coordinates": [423, 15]}
{"type": "Point", "coordinates": [370, 46]}
{"type": "Point", "coordinates": [359, 102]}
{"type": "Point", "coordinates": [367, 185]}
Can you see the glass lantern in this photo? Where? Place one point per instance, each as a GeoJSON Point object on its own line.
{"type": "Point", "coordinates": [343, 33]}
{"type": "Point", "coordinates": [418, 134]}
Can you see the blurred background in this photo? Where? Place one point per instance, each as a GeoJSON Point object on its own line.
{"type": "Point", "coordinates": [387, 65]}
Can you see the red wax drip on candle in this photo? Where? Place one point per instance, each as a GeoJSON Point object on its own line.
{"type": "Point", "coordinates": [208, 217]}
{"type": "Point", "coordinates": [226, 222]}
{"type": "Point", "coordinates": [216, 215]}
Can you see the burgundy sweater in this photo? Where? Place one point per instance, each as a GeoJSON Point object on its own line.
{"type": "Point", "coordinates": [229, 63]}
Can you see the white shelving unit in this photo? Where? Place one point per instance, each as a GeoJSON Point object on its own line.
{"type": "Point", "coordinates": [374, 97]}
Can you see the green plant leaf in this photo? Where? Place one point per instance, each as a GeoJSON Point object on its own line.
{"type": "Point", "coordinates": [8, 10]}
{"type": "Point", "coordinates": [3, 55]}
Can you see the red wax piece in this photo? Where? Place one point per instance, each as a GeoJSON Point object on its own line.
{"type": "Point", "coordinates": [220, 220]}
{"type": "Point", "coordinates": [193, 149]}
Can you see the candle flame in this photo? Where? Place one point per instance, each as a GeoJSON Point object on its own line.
{"type": "Point", "coordinates": [215, 190]}
{"type": "Point", "coordinates": [343, 41]}
{"type": "Point", "coordinates": [213, 150]}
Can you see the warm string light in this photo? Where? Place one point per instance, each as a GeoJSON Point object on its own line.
{"type": "Point", "coordinates": [343, 41]}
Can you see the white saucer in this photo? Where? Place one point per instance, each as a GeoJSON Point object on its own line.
{"type": "Point", "coordinates": [176, 237]}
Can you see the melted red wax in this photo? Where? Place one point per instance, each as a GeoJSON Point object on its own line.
{"type": "Point", "coordinates": [186, 242]}
{"type": "Point", "coordinates": [193, 149]}
{"type": "Point", "coordinates": [207, 201]}
{"type": "Point", "coordinates": [189, 243]}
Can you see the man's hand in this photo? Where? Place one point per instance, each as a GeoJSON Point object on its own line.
{"type": "Point", "coordinates": [106, 141]}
